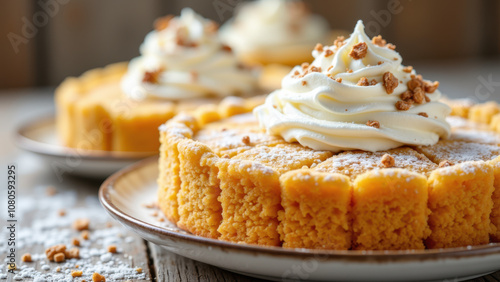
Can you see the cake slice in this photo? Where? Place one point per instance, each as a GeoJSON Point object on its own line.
{"type": "Point", "coordinates": [316, 210]}
{"type": "Point", "coordinates": [460, 194]}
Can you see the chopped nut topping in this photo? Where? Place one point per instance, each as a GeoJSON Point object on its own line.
{"type": "Point", "coordinates": [339, 41]}
{"type": "Point", "coordinates": [112, 249]}
{"type": "Point", "coordinates": [348, 70]}
{"type": "Point", "coordinates": [96, 277]}
{"type": "Point", "coordinates": [212, 27]}
{"type": "Point", "coordinates": [61, 212]}
{"type": "Point", "coordinates": [304, 83]}
{"type": "Point", "coordinates": [329, 68]}
{"type": "Point", "coordinates": [26, 258]}
{"type": "Point", "coordinates": [363, 82]}
{"type": "Point", "coordinates": [245, 140]}
{"type": "Point", "coordinates": [59, 257]}
{"type": "Point", "coordinates": [380, 62]}
{"type": "Point", "coordinates": [430, 87]}
{"type": "Point", "coordinates": [304, 66]}
{"type": "Point", "coordinates": [296, 73]}
{"type": "Point", "coordinates": [161, 219]}
{"type": "Point", "coordinates": [319, 47]}
{"type": "Point", "coordinates": [152, 76]}
{"type": "Point", "coordinates": [76, 273]}
{"type": "Point", "coordinates": [423, 114]}
{"type": "Point", "coordinates": [390, 82]}
{"type": "Point", "coordinates": [163, 22]}
{"type": "Point", "coordinates": [75, 242]}
{"type": "Point", "coordinates": [408, 69]}
{"type": "Point", "coordinates": [418, 95]}
{"type": "Point", "coordinates": [73, 253]}
{"type": "Point", "coordinates": [51, 251]}
{"type": "Point", "coordinates": [427, 99]}
{"type": "Point", "coordinates": [387, 161]}
{"type": "Point", "coordinates": [377, 40]}
{"type": "Point", "coordinates": [391, 46]}
{"type": "Point", "coordinates": [373, 82]}
{"type": "Point", "coordinates": [445, 163]}
{"type": "Point", "coordinates": [373, 123]}
{"type": "Point", "coordinates": [416, 81]}
{"type": "Point", "coordinates": [407, 96]}
{"type": "Point", "coordinates": [85, 235]}
{"type": "Point", "coordinates": [328, 53]}
{"type": "Point", "coordinates": [194, 75]}
{"type": "Point", "coordinates": [315, 69]}
{"type": "Point", "coordinates": [359, 51]}
{"type": "Point", "coordinates": [81, 224]}
{"type": "Point", "coordinates": [226, 48]}
{"type": "Point", "coordinates": [339, 79]}
{"type": "Point", "coordinates": [403, 106]}
{"type": "Point", "coordinates": [51, 191]}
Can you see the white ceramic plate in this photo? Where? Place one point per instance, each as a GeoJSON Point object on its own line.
{"type": "Point", "coordinates": [40, 137]}
{"type": "Point", "coordinates": [124, 193]}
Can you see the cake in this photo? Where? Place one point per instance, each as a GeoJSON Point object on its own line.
{"type": "Point", "coordinates": [354, 152]}
{"type": "Point", "coordinates": [275, 35]}
{"type": "Point", "coordinates": [183, 65]}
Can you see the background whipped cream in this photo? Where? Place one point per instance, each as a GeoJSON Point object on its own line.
{"type": "Point", "coordinates": [189, 61]}
{"type": "Point", "coordinates": [266, 25]}
{"type": "Point", "coordinates": [322, 113]}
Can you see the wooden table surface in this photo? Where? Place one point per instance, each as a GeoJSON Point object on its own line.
{"type": "Point", "coordinates": [41, 196]}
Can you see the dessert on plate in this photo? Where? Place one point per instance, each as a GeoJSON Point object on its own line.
{"type": "Point", "coordinates": [355, 152]}
{"type": "Point", "coordinates": [276, 34]}
{"type": "Point", "coordinates": [182, 65]}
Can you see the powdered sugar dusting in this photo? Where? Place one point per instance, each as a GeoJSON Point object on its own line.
{"type": "Point", "coordinates": [458, 151]}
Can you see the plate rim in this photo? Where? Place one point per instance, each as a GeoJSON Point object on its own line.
{"type": "Point", "coordinates": [350, 255]}
{"type": "Point", "coordinates": [35, 146]}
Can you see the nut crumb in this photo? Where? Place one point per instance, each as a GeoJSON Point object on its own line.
{"type": "Point", "coordinates": [423, 114]}
{"type": "Point", "coordinates": [51, 191]}
{"type": "Point", "coordinates": [245, 140]}
{"type": "Point", "coordinates": [59, 257]}
{"type": "Point", "coordinates": [403, 106]}
{"type": "Point", "coordinates": [112, 249]}
{"type": "Point", "coordinates": [163, 22]}
{"type": "Point", "coordinates": [373, 123]}
{"type": "Point", "coordinates": [139, 270]}
{"type": "Point", "coordinates": [85, 235]}
{"type": "Point", "coordinates": [359, 51]}
{"type": "Point", "coordinates": [418, 95]}
{"type": "Point", "coordinates": [339, 41]}
{"type": "Point", "coordinates": [348, 70]}
{"type": "Point", "coordinates": [52, 251]}
{"type": "Point", "coordinates": [406, 96]}
{"type": "Point", "coordinates": [391, 46]}
{"type": "Point", "coordinates": [445, 163]}
{"type": "Point", "coordinates": [430, 87]}
{"type": "Point", "coordinates": [81, 224]}
{"type": "Point", "coordinates": [226, 48]}
{"type": "Point", "coordinates": [380, 62]}
{"type": "Point", "coordinates": [304, 66]}
{"type": "Point", "coordinates": [26, 258]}
{"type": "Point", "coordinates": [304, 83]}
{"type": "Point", "coordinates": [378, 40]}
{"type": "Point", "coordinates": [416, 81]}
{"type": "Point", "coordinates": [387, 161]}
{"type": "Point", "coordinates": [339, 79]}
{"type": "Point", "coordinates": [96, 277]}
{"type": "Point", "coordinates": [408, 69]}
{"type": "Point", "coordinates": [390, 82]}
{"type": "Point", "coordinates": [363, 82]}
{"type": "Point", "coordinates": [328, 53]}
{"type": "Point", "coordinates": [160, 219]}
{"type": "Point", "coordinates": [152, 76]}
{"type": "Point", "coordinates": [319, 47]}
{"type": "Point", "coordinates": [373, 82]}
{"type": "Point", "coordinates": [76, 273]}
{"type": "Point", "coordinates": [61, 212]}
{"type": "Point", "coordinates": [73, 253]}
{"type": "Point", "coordinates": [58, 269]}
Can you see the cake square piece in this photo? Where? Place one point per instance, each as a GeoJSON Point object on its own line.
{"type": "Point", "coordinates": [316, 210]}
{"type": "Point", "coordinates": [390, 210]}
{"type": "Point", "coordinates": [461, 204]}
{"type": "Point", "coordinates": [495, 212]}
{"type": "Point", "coordinates": [483, 113]}
{"type": "Point", "coordinates": [354, 163]}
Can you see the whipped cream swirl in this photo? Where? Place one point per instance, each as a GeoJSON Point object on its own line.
{"type": "Point", "coordinates": [185, 59]}
{"type": "Point", "coordinates": [326, 109]}
{"type": "Point", "coordinates": [276, 26]}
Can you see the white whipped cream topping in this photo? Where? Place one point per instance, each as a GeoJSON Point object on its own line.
{"type": "Point", "coordinates": [279, 25]}
{"type": "Point", "coordinates": [198, 67]}
{"type": "Point", "coordinates": [323, 114]}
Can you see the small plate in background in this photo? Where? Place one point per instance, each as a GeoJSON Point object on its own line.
{"type": "Point", "coordinates": [40, 137]}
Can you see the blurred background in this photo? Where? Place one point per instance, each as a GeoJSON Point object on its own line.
{"type": "Point", "coordinates": [45, 41]}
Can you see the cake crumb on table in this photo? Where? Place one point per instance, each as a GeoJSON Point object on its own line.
{"type": "Point", "coordinates": [81, 224]}
{"type": "Point", "coordinates": [96, 277]}
{"type": "Point", "coordinates": [112, 249]}
{"type": "Point", "coordinates": [76, 273]}
{"type": "Point", "coordinates": [59, 257]}
{"type": "Point", "coordinates": [85, 235]}
{"type": "Point", "coordinates": [26, 258]}
{"type": "Point", "coordinates": [52, 251]}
